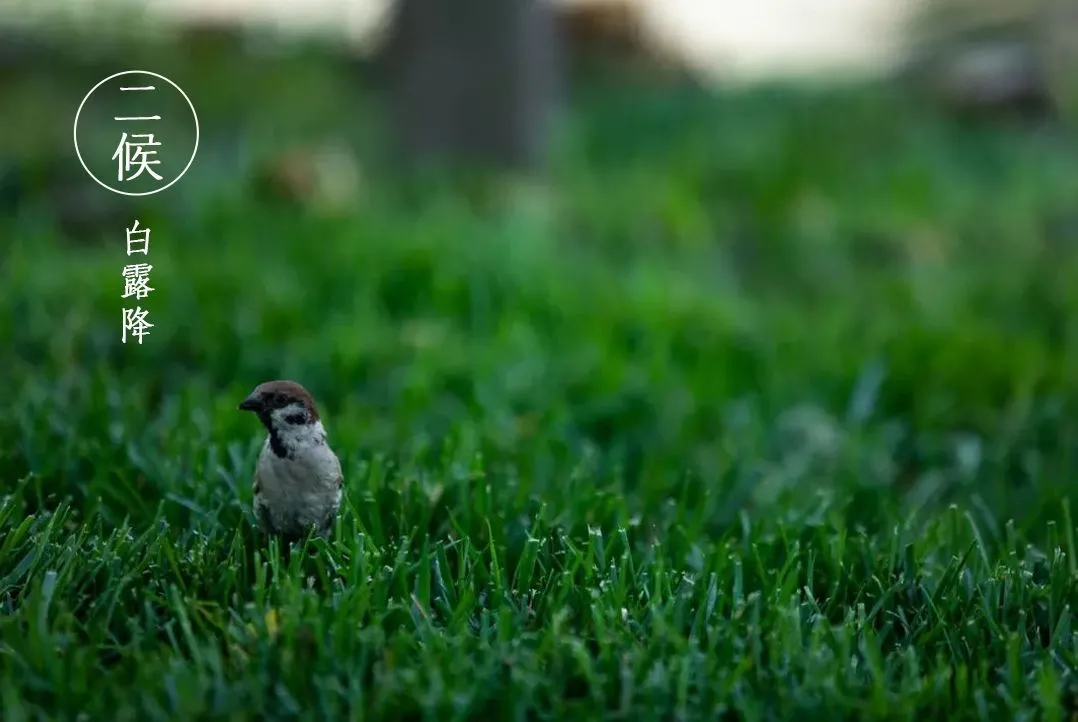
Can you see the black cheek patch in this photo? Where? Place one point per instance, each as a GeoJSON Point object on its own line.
{"type": "Point", "coordinates": [296, 419]}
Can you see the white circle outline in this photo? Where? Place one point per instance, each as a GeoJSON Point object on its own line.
{"type": "Point", "coordinates": [75, 134]}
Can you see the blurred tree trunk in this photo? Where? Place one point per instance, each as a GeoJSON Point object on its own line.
{"type": "Point", "coordinates": [474, 81]}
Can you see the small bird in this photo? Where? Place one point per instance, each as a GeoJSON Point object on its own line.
{"type": "Point", "coordinates": [297, 483]}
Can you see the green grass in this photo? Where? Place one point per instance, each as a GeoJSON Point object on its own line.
{"type": "Point", "coordinates": [776, 420]}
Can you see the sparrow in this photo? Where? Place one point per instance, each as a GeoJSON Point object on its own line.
{"type": "Point", "coordinates": [297, 481]}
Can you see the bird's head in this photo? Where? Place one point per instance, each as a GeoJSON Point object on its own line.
{"type": "Point", "coordinates": [281, 405]}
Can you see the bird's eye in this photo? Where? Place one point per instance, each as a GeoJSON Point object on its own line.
{"type": "Point", "coordinates": [296, 418]}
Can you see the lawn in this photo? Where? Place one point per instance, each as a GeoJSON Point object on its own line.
{"type": "Point", "coordinates": [773, 415]}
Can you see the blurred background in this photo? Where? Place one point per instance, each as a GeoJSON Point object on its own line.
{"type": "Point", "coordinates": [821, 229]}
{"type": "Point", "coordinates": [487, 82]}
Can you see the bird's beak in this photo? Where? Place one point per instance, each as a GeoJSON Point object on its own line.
{"type": "Point", "coordinates": [251, 403]}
